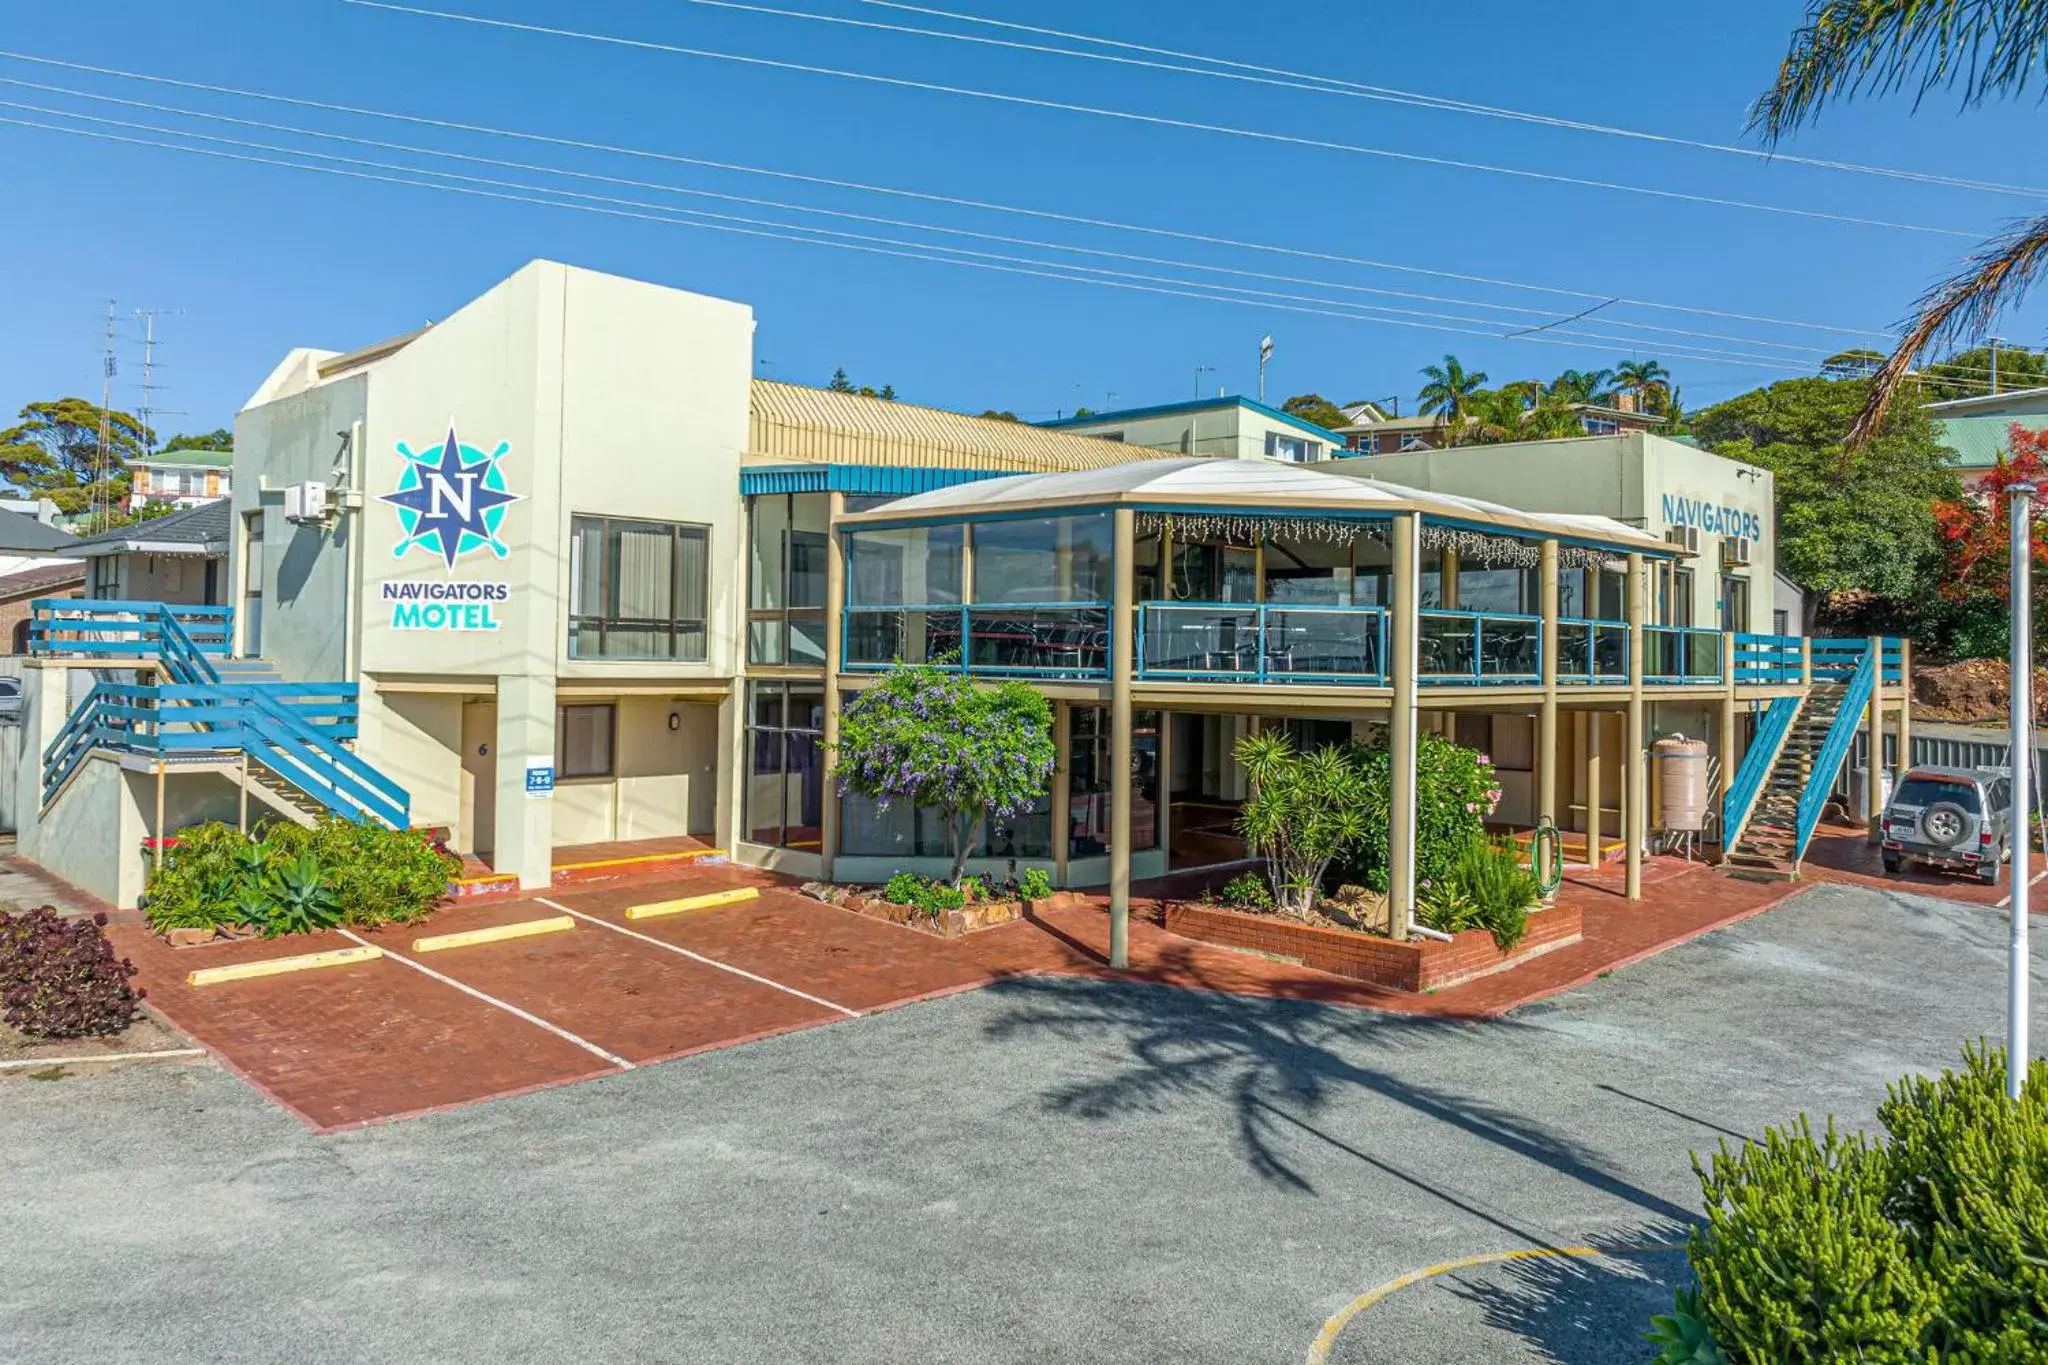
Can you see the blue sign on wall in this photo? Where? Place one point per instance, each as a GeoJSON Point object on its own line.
{"type": "Point", "coordinates": [1714, 519]}
{"type": "Point", "coordinates": [540, 778]}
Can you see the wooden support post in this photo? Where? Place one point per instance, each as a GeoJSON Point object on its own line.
{"type": "Point", "coordinates": [1905, 731]}
{"type": "Point", "coordinates": [1401, 815]}
{"type": "Point", "coordinates": [1062, 790]}
{"type": "Point", "coordinates": [1724, 739]}
{"type": "Point", "coordinates": [1546, 717]}
{"type": "Point", "coordinates": [1596, 722]}
{"type": "Point", "coordinates": [1123, 644]}
{"type": "Point", "coordinates": [1634, 790]}
{"type": "Point", "coordinates": [242, 812]}
{"type": "Point", "coordinates": [159, 860]}
{"type": "Point", "coordinates": [1873, 740]}
{"type": "Point", "coordinates": [835, 619]}
{"type": "Point", "coordinates": [1163, 798]}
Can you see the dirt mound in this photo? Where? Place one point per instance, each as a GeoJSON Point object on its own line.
{"type": "Point", "coordinates": [1972, 691]}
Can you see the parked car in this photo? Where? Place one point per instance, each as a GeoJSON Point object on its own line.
{"type": "Point", "coordinates": [1957, 819]}
{"type": "Point", "coordinates": [10, 699]}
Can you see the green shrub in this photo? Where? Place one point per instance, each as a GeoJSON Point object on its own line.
{"type": "Point", "coordinates": [379, 875]}
{"type": "Point", "coordinates": [1490, 875]}
{"type": "Point", "coordinates": [1446, 908]}
{"type": "Point", "coordinates": [1929, 1243]}
{"type": "Point", "coordinates": [1304, 812]}
{"type": "Point", "coordinates": [1455, 790]}
{"type": "Point", "coordinates": [1969, 1185]}
{"type": "Point", "coordinates": [295, 896]}
{"type": "Point", "coordinates": [217, 877]}
{"type": "Point", "coordinates": [1247, 891]}
{"type": "Point", "coordinates": [1035, 885]}
{"type": "Point", "coordinates": [925, 895]}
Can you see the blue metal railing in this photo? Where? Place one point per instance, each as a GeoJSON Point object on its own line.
{"type": "Point", "coordinates": [1478, 647]}
{"type": "Point", "coordinates": [1767, 658]}
{"type": "Point", "coordinates": [1592, 652]}
{"type": "Point", "coordinates": [1006, 639]}
{"type": "Point", "coordinates": [296, 739]}
{"type": "Point", "coordinates": [1675, 655]}
{"type": "Point", "coordinates": [1827, 765]}
{"type": "Point", "coordinates": [1757, 762]}
{"type": "Point", "coordinates": [101, 628]}
{"type": "Point", "coordinates": [1262, 642]}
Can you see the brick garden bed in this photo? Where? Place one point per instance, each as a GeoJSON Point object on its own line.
{"type": "Point", "coordinates": [948, 923]}
{"type": "Point", "coordinates": [1416, 964]}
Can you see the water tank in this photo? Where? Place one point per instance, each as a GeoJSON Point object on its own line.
{"type": "Point", "coordinates": [1681, 782]}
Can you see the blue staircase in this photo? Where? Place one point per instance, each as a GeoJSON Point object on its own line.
{"type": "Point", "coordinates": [1774, 802]}
{"type": "Point", "coordinates": [211, 709]}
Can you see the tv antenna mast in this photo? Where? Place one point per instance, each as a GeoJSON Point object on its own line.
{"type": "Point", "coordinates": [148, 411]}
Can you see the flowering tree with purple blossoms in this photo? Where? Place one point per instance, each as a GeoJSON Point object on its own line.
{"type": "Point", "coordinates": [937, 740]}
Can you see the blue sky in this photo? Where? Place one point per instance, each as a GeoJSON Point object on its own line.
{"type": "Point", "coordinates": [260, 258]}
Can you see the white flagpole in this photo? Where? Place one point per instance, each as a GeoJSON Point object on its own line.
{"type": "Point", "coordinates": [2021, 871]}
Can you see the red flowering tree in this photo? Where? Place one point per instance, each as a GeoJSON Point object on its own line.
{"type": "Point", "coordinates": [1976, 529]}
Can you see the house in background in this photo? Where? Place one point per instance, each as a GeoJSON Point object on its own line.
{"type": "Point", "coordinates": [22, 588]}
{"type": "Point", "coordinates": [185, 478]}
{"type": "Point", "coordinates": [1221, 428]}
{"type": "Point", "coordinates": [1976, 429]}
{"type": "Point", "coordinates": [180, 558]}
{"type": "Point", "coordinates": [1376, 430]}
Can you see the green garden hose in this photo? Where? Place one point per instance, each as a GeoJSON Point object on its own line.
{"type": "Point", "coordinates": [1546, 857]}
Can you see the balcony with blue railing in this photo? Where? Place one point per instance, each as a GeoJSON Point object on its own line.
{"type": "Point", "coordinates": [1243, 642]}
{"type": "Point", "coordinates": [1681, 656]}
{"type": "Point", "coordinates": [123, 631]}
{"type": "Point", "coordinates": [1592, 653]}
{"type": "Point", "coordinates": [1477, 648]}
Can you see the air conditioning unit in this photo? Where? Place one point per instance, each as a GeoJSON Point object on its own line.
{"type": "Point", "coordinates": [1734, 551]}
{"type": "Point", "coordinates": [1686, 538]}
{"type": "Point", "coordinates": [306, 503]}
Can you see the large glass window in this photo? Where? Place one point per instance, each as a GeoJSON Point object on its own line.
{"type": "Point", "coordinates": [1057, 559]}
{"type": "Point", "coordinates": [904, 566]}
{"type": "Point", "coordinates": [867, 829]}
{"type": "Point", "coordinates": [1734, 602]}
{"type": "Point", "coordinates": [1088, 781]}
{"type": "Point", "coordinates": [787, 543]}
{"type": "Point", "coordinates": [785, 765]}
{"type": "Point", "coordinates": [1511, 591]}
{"type": "Point", "coordinates": [638, 589]}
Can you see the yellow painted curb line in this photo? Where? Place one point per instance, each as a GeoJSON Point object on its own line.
{"type": "Point", "coordinates": [660, 908]}
{"type": "Point", "coordinates": [681, 855]}
{"type": "Point", "coordinates": [1319, 1350]}
{"type": "Point", "coordinates": [469, 938]}
{"type": "Point", "coordinates": [278, 966]}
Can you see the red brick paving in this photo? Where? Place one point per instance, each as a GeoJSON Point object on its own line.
{"type": "Point", "coordinates": [359, 1044]}
{"type": "Point", "coordinates": [1841, 853]}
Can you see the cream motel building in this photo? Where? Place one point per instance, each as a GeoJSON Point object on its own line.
{"type": "Point", "coordinates": [566, 573]}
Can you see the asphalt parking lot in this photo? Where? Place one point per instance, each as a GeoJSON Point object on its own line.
{"type": "Point", "coordinates": [1051, 1168]}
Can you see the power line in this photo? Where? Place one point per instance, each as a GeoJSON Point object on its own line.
{"type": "Point", "coordinates": [671, 217]}
{"type": "Point", "coordinates": [913, 225]}
{"type": "Point", "coordinates": [698, 217]}
{"type": "Point", "coordinates": [921, 196]}
{"type": "Point", "coordinates": [1156, 120]}
{"type": "Point", "coordinates": [1332, 85]}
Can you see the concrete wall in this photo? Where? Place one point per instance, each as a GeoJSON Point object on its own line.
{"type": "Point", "coordinates": [298, 438]}
{"type": "Point", "coordinates": [1637, 478]}
{"type": "Point", "coordinates": [418, 744]}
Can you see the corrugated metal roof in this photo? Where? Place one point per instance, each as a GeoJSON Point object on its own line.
{"type": "Point", "coordinates": [818, 426]}
{"type": "Point", "coordinates": [1982, 441]}
{"type": "Point", "coordinates": [888, 481]}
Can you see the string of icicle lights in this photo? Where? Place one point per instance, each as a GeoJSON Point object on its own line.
{"type": "Point", "coordinates": [1472, 547]}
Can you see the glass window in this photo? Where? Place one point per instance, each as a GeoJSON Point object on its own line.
{"type": "Point", "coordinates": [904, 566]}
{"type": "Point", "coordinates": [1571, 594]}
{"type": "Point", "coordinates": [1681, 597]}
{"type": "Point", "coordinates": [638, 589]}
{"type": "Point", "coordinates": [1512, 591]}
{"type": "Point", "coordinates": [583, 740]}
{"type": "Point", "coordinates": [1430, 570]}
{"type": "Point", "coordinates": [1734, 603]}
{"type": "Point", "coordinates": [788, 544]}
{"type": "Point", "coordinates": [785, 765]}
{"type": "Point", "coordinates": [1308, 572]}
{"type": "Point", "coordinates": [1088, 786]}
{"type": "Point", "coordinates": [1292, 449]}
{"type": "Point", "coordinates": [1057, 559]}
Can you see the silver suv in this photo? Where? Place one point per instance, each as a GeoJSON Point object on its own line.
{"type": "Point", "coordinates": [1954, 818]}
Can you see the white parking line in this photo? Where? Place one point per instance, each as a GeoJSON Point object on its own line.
{"type": "Point", "coordinates": [699, 957]}
{"type": "Point", "coordinates": [2006, 899]}
{"type": "Point", "coordinates": [509, 1008]}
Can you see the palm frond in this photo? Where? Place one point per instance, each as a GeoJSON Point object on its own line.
{"type": "Point", "coordinates": [1851, 47]}
{"type": "Point", "coordinates": [1962, 306]}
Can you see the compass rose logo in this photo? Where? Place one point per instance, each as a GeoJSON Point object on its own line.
{"type": "Point", "coordinates": [451, 499]}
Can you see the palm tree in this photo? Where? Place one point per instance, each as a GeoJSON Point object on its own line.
{"type": "Point", "coordinates": [1582, 386]}
{"type": "Point", "coordinates": [1493, 417]}
{"type": "Point", "coordinates": [1648, 380]}
{"type": "Point", "coordinates": [1988, 47]}
{"type": "Point", "coordinates": [1552, 419]}
{"type": "Point", "coordinates": [1448, 390]}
